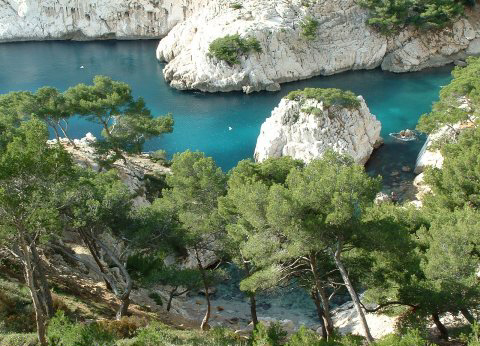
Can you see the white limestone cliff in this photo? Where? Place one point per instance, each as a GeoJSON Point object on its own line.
{"type": "Point", "coordinates": [22, 20]}
{"type": "Point", "coordinates": [343, 42]}
{"type": "Point", "coordinates": [294, 130]}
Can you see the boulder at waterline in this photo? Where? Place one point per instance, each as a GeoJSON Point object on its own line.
{"type": "Point", "coordinates": [304, 126]}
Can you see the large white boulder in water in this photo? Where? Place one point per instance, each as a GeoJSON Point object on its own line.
{"type": "Point", "coordinates": [304, 129]}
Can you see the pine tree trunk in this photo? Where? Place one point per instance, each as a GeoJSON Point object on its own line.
{"type": "Point", "coordinates": [253, 310]}
{"type": "Point", "coordinates": [40, 318]}
{"type": "Point", "coordinates": [327, 317]}
{"type": "Point", "coordinates": [170, 298]}
{"type": "Point", "coordinates": [320, 312]}
{"type": "Point", "coordinates": [441, 328]}
{"type": "Point", "coordinates": [468, 316]}
{"type": "Point", "coordinates": [41, 282]}
{"type": "Point", "coordinates": [123, 309]}
{"type": "Point", "coordinates": [351, 290]}
{"type": "Point", "coordinates": [253, 301]}
{"type": "Point", "coordinates": [93, 251]}
{"type": "Point", "coordinates": [204, 326]}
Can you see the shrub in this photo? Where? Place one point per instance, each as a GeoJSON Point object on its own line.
{"type": "Point", "coordinates": [156, 298]}
{"type": "Point", "coordinates": [273, 335]}
{"type": "Point", "coordinates": [309, 28]}
{"type": "Point", "coordinates": [153, 335]}
{"type": "Point", "coordinates": [17, 339]}
{"type": "Point", "coordinates": [231, 47]}
{"type": "Point", "coordinates": [390, 16]}
{"type": "Point", "coordinates": [305, 336]}
{"type": "Point", "coordinates": [412, 338]}
{"type": "Point", "coordinates": [61, 331]}
{"type": "Point", "coordinates": [126, 327]}
{"type": "Point", "coordinates": [236, 6]}
{"type": "Point", "coordinates": [330, 97]}
{"type": "Point", "coordinates": [16, 310]}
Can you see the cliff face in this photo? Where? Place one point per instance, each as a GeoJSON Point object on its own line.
{"type": "Point", "coordinates": [305, 130]}
{"type": "Point", "coordinates": [91, 19]}
{"type": "Point", "coordinates": [343, 41]}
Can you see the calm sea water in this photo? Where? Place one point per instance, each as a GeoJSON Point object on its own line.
{"type": "Point", "coordinates": [202, 120]}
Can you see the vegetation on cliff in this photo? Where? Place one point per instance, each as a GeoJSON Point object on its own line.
{"type": "Point", "coordinates": [330, 97]}
{"type": "Point", "coordinates": [231, 47]}
{"type": "Point", "coordinates": [390, 16]}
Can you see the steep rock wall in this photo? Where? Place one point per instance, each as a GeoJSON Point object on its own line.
{"type": "Point", "coordinates": [91, 19]}
{"type": "Point", "coordinates": [343, 41]}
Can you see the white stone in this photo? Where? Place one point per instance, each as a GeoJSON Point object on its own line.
{"type": "Point", "coordinates": [290, 131]}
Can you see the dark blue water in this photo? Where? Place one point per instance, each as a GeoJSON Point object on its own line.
{"type": "Point", "coordinates": [202, 121]}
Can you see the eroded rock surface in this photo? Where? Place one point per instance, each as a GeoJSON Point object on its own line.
{"type": "Point", "coordinates": [91, 19]}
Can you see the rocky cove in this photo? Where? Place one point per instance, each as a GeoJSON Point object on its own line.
{"type": "Point", "coordinates": [226, 126]}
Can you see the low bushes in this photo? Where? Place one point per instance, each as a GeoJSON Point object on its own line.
{"type": "Point", "coordinates": [389, 16]}
{"type": "Point", "coordinates": [231, 47]}
{"type": "Point", "coordinates": [330, 97]}
{"type": "Point", "coordinates": [309, 28]}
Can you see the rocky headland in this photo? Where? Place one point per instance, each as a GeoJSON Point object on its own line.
{"type": "Point", "coordinates": [342, 40]}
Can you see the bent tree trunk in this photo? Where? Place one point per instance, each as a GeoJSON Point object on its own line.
{"type": "Point", "coordinates": [441, 328]}
{"type": "Point", "coordinates": [204, 326]}
{"type": "Point", "coordinates": [468, 316]}
{"type": "Point", "coordinates": [42, 283]}
{"type": "Point", "coordinates": [327, 317]}
{"type": "Point", "coordinates": [351, 291]}
{"type": "Point", "coordinates": [320, 312]}
{"type": "Point", "coordinates": [125, 296]}
{"type": "Point", "coordinates": [29, 272]}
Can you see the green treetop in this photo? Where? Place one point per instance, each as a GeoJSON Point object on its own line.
{"type": "Point", "coordinates": [126, 122]}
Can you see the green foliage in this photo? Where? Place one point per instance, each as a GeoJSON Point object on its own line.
{"type": "Point", "coordinates": [447, 111]}
{"type": "Point", "coordinates": [390, 16]}
{"type": "Point", "coordinates": [61, 331]}
{"type": "Point", "coordinates": [127, 123]}
{"type": "Point", "coordinates": [330, 97]}
{"type": "Point", "coordinates": [412, 338]}
{"type": "Point", "coordinates": [458, 182]}
{"type": "Point", "coordinates": [305, 336]}
{"type": "Point", "coordinates": [309, 28]}
{"type": "Point", "coordinates": [157, 298]}
{"type": "Point", "coordinates": [236, 6]}
{"type": "Point", "coordinates": [229, 48]}
{"type": "Point", "coordinates": [17, 339]}
{"type": "Point", "coordinates": [16, 311]}
{"type": "Point", "coordinates": [273, 335]}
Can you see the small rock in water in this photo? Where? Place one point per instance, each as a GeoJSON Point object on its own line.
{"type": "Point", "coordinates": [220, 308]}
{"type": "Point", "coordinates": [406, 169]}
{"type": "Point", "coordinates": [394, 173]}
{"type": "Point", "coordinates": [230, 128]}
{"type": "Point", "coordinates": [82, 66]}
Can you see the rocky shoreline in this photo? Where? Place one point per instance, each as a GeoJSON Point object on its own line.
{"type": "Point", "coordinates": [343, 41]}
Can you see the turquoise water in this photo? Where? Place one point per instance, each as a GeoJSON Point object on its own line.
{"type": "Point", "coordinates": [202, 121]}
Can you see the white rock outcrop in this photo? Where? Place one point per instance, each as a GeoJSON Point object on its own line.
{"type": "Point", "coordinates": [343, 42]}
{"type": "Point", "coordinates": [294, 130]}
{"type": "Point", "coordinates": [22, 20]}
{"type": "Point", "coordinates": [132, 173]}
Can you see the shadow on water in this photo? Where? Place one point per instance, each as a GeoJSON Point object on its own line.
{"type": "Point", "coordinates": [223, 125]}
